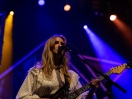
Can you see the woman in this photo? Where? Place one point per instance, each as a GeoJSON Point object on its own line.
{"type": "Point", "coordinates": [51, 74]}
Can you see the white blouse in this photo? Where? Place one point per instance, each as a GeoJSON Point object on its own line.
{"type": "Point", "coordinates": [36, 84]}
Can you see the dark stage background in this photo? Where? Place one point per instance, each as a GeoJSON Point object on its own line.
{"type": "Point", "coordinates": [33, 24]}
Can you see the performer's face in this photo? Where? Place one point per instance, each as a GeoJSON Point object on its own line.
{"type": "Point", "coordinates": [58, 42]}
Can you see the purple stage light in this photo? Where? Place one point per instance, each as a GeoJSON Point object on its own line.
{"type": "Point", "coordinates": [41, 2]}
{"type": "Point", "coordinates": [85, 27]}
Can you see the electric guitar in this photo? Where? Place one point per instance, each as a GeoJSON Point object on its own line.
{"type": "Point", "coordinates": [60, 94]}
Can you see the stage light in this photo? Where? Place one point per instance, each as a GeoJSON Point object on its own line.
{"type": "Point", "coordinates": [41, 2]}
{"type": "Point", "coordinates": [7, 49]}
{"type": "Point", "coordinates": [67, 7]}
{"type": "Point", "coordinates": [113, 17]}
{"type": "Point", "coordinates": [11, 12]}
{"type": "Point", "coordinates": [96, 13]}
{"type": "Point", "coordinates": [85, 27]}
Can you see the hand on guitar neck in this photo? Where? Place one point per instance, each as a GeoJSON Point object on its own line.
{"type": "Point", "coordinates": [95, 83]}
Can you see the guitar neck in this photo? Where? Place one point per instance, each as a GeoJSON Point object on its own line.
{"type": "Point", "coordinates": [79, 91]}
{"type": "Point", "coordinates": [101, 77]}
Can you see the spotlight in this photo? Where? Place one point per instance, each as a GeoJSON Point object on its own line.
{"type": "Point", "coordinates": [96, 13]}
{"type": "Point", "coordinates": [113, 17]}
{"type": "Point", "coordinates": [85, 27]}
{"type": "Point", "coordinates": [67, 7]}
{"type": "Point", "coordinates": [11, 12]}
{"type": "Point", "coordinates": [41, 2]}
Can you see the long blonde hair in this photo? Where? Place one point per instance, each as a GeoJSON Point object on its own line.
{"type": "Point", "coordinates": [47, 58]}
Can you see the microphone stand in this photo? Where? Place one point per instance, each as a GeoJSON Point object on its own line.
{"type": "Point", "coordinates": [109, 81]}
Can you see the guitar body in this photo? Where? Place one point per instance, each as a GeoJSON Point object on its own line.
{"type": "Point", "coordinates": [60, 94]}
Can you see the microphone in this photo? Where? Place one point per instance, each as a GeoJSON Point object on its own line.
{"type": "Point", "coordinates": [61, 48]}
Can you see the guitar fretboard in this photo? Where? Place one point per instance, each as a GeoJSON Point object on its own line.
{"type": "Point", "coordinates": [79, 91]}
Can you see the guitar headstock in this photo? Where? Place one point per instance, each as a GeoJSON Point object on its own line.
{"type": "Point", "coordinates": [118, 69]}
{"type": "Point", "coordinates": [121, 68]}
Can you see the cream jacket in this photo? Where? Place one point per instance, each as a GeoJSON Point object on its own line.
{"type": "Point", "coordinates": [36, 85]}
